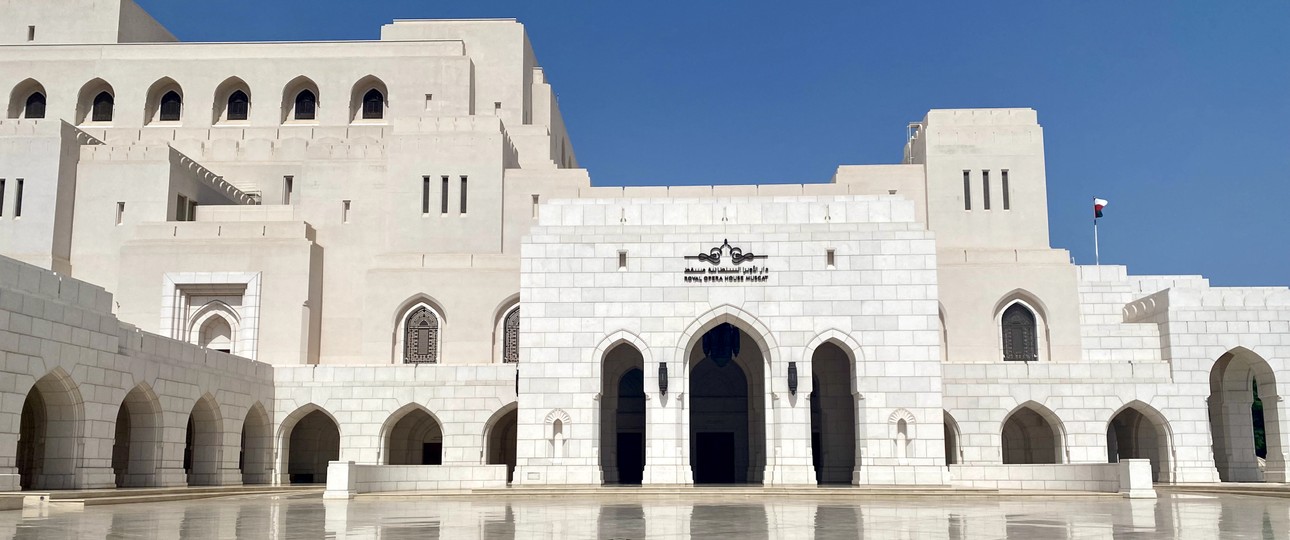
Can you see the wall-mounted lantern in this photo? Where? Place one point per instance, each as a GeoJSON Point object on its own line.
{"type": "Point", "coordinates": [662, 378]}
{"type": "Point", "coordinates": [792, 378]}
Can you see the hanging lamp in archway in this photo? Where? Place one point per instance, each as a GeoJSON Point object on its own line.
{"type": "Point", "coordinates": [721, 344]}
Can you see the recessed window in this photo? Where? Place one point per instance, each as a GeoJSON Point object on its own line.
{"type": "Point", "coordinates": [35, 106]}
{"type": "Point", "coordinates": [429, 99]}
{"type": "Point", "coordinates": [288, 185]}
{"type": "Point", "coordinates": [497, 107]}
{"type": "Point", "coordinates": [1007, 202]}
{"type": "Point", "coordinates": [31, 33]}
{"type": "Point", "coordinates": [373, 105]}
{"type": "Point", "coordinates": [967, 190]}
{"type": "Point", "coordinates": [421, 336]}
{"type": "Point", "coordinates": [536, 198]}
{"type": "Point", "coordinates": [239, 106]}
{"type": "Point", "coordinates": [1020, 337]}
{"type": "Point", "coordinates": [1, 197]}
{"type": "Point", "coordinates": [17, 200]}
{"type": "Point", "coordinates": [425, 195]}
{"type": "Point", "coordinates": [985, 190]}
{"type": "Point", "coordinates": [344, 211]}
{"type": "Point", "coordinates": [120, 212]}
{"type": "Point", "coordinates": [306, 105]}
{"type": "Point", "coordinates": [443, 196]}
{"type": "Point", "coordinates": [181, 208]}
{"type": "Point", "coordinates": [172, 106]}
{"type": "Point", "coordinates": [622, 261]}
{"type": "Point", "coordinates": [463, 194]}
{"type": "Point", "coordinates": [830, 259]}
{"type": "Point", "coordinates": [102, 108]}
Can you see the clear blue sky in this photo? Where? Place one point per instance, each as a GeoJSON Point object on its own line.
{"type": "Point", "coordinates": [1177, 112]}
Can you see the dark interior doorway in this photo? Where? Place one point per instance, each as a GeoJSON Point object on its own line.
{"type": "Point", "coordinates": [714, 462]}
{"type": "Point", "coordinates": [631, 457]}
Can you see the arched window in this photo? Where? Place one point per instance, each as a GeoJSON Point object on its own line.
{"type": "Point", "coordinates": [373, 105]}
{"type": "Point", "coordinates": [1020, 338]}
{"type": "Point", "coordinates": [102, 108]}
{"type": "Point", "coordinates": [421, 337]}
{"type": "Point", "coordinates": [511, 337]}
{"type": "Point", "coordinates": [35, 108]}
{"type": "Point", "coordinates": [171, 107]}
{"type": "Point", "coordinates": [239, 105]}
{"type": "Point", "coordinates": [306, 103]}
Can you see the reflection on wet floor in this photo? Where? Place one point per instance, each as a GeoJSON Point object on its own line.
{"type": "Point", "coordinates": [616, 517]}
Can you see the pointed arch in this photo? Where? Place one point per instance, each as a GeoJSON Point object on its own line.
{"type": "Point", "coordinates": [232, 101]}
{"type": "Point", "coordinates": [204, 442]}
{"type": "Point", "coordinates": [206, 318]}
{"type": "Point", "coordinates": [833, 358]}
{"type": "Point", "coordinates": [1244, 403]}
{"type": "Point", "coordinates": [255, 459]}
{"type": "Point", "coordinates": [96, 102]}
{"type": "Point", "coordinates": [727, 313]}
{"type": "Point", "coordinates": [136, 448]}
{"type": "Point", "coordinates": [1032, 434]}
{"type": "Point", "coordinates": [1021, 320]}
{"type": "Point", "coordinates": [419, 327]}
{"type": "Point", "coordinates": [944, 328]}
{"type": "Point", "coordinates": [500, 438]}
{"type": "Point", "coordinates": [1138, 431]}
{"type": "Point", "coordinates": [369, 100]}
{"type": "Point", "coordinates": [51, 425]}
{"type": "Point", "coordinates": [412, 435]}
{"type": "Point", "coordinates": [21, 99]}
{"type": "Point", "coordinates": [165, 101]}
{"type": "Point", "coordinates": [308, 439]}
{"type": "Point", "coordinates": [301, 100]}
{"type": "Point", "coordinates": [953, 449]}
{"type": "Point", "coordinates": [506, 321]}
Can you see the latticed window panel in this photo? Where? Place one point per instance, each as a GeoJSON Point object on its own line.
{"type": "Point", "coordinates": [511, 337]}
{"type": "Point", "coordinates": [373, 105]}
{"type": "Point", "coordinates": [421, 337]}
{"type": "Point", "coordinates": [1020, 337]}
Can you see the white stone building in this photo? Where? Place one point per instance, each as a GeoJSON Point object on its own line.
{"type": "Point", "coordinates": [306, 253]}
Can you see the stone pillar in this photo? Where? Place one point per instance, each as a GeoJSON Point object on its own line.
{"type": "Point", "coordinates": [1238, 438]}
{"type": "Point", "coordinates": [788, 432]}
{"type": "Point", "coordinates": [1275, 431]}
{"type": "Point", "coordinates": [342, 480]}
{"type": "Point", "coordinates": [667, 428]}
{"type": "Point", "coordinates": [1135, 479]}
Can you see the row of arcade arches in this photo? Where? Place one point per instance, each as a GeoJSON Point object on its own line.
{"type": "Point", "coordinates": [232, 102]}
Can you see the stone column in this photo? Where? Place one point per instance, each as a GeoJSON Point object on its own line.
{"type": "Point", "coordinates": [788, 430]}
{"type": "Point", "coordinates": [667, 427]}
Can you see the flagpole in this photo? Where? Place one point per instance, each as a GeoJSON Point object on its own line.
{"type": "Point", "coordinates": [1097, 256]}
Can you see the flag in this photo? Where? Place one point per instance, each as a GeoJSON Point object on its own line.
{"type": "Point", "coordinates": [1098, 205]}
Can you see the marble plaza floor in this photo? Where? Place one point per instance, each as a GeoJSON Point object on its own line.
{"type": "Point", "coordinates": [1012, 518]}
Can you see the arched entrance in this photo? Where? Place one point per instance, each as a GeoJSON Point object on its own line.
{"type": "Point", "coordinates": [312, 441]}
{"type": "Point", "coordinates": [952, 449]}
{"type": "Point", "coordinates": [500, 437]}
{"type": "Point", "coordinates": [203, 443]}
{"type": "Point", "coordinates": [138, 438]}
{"type": "Point", "coordinates": [1243, 417]}
{"type": "Point", "coordinates": [415, 438]}
{"type": "Point", "coordinates": [622, 413]}
{"type": "Point", "coordinates": [49, 433]}
{"type": "Point", "coordinates": [257, 444]}
{"type": "Point", "coordinates": [1032, 435]}
{"type": "Point", "coordinates": [833, 415]}
{"type": "Point", "coordinates": [1140, 432]}
{"type": "Point", "coordinates": [727, 414]}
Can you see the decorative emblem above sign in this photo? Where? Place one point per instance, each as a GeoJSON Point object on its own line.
{"type": "Point", "coordinates": [719, 270]}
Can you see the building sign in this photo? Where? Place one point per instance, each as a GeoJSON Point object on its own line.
{"type": "Point", "coordinates": [726, 264]}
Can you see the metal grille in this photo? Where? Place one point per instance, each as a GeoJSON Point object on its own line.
{"type": "Point", "coordinates": [511, 337]}
{"type": "Point", "coordinates": [421, 337]}
{"type": "Point", "coordinates": [305, 105]}
{"type": "Point", "coordinates": [239, 106]}
{"type": "Point", "coordinates": [35, 106]}
{"type": "Point", "coordinates": [373, 105]}
{"type": "Point", "coordinates": [1019, 336]}
{"type": "Point", "coordinates": [171, 107]}
{"type": "Point", "coordinates": [102, 107]}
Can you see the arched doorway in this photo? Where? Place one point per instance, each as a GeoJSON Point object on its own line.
{"type": "Point", "coordinates": [312, 441]}
{"type": "Point", "coordinates": [500, 437]}
{"type": "Point", "coordinates": [727, 414]}
{"type": "Point", "coordinates": [1032, 435]}
{"type": "Point", "coordinates": [1140, 432]}
{"type": "Point", "coordinates": [203, 443]}
{"type": "Point", "coordinates": [257, 444]}
{"type": "Point", "coordinates": [137, 440]}
{"type": "Point", "coordinates": [49, 433]}
{"type": "Point", "coordinates": [1243, 417]}
{"type": "Point", "coordinates": [622, 414]}
{"type": "Point", "coordinates": [415, 438]}
{"type": "Point", "coordinates": [833, 415]}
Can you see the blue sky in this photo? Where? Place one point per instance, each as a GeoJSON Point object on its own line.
{"type": "Point", "coordinates": [1176, 112]}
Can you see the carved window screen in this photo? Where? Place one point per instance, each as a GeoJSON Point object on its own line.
{"type": "Point", "coordinates": [511, 337]}
{"type": "Point", "coordinates": [1020, 338]}
{"type": "Point", "coordinates": [421, 337]}
{"type": "Point", "coordinates": [373, 105]}
{"type": "Point", "coordinates": [102, 110]}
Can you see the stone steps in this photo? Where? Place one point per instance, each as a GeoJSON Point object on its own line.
{"type": "Point", "coordinates": [96, 497]}
{"type": "Point", "coordinates": [1251, 489]}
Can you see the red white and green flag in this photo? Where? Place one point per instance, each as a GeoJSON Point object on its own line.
{"type": "Point", "coordinates": [1098, 205]}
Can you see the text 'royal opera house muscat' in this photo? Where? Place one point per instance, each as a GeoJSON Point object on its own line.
{"type": "Point", "coordinates": [379, 262]}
